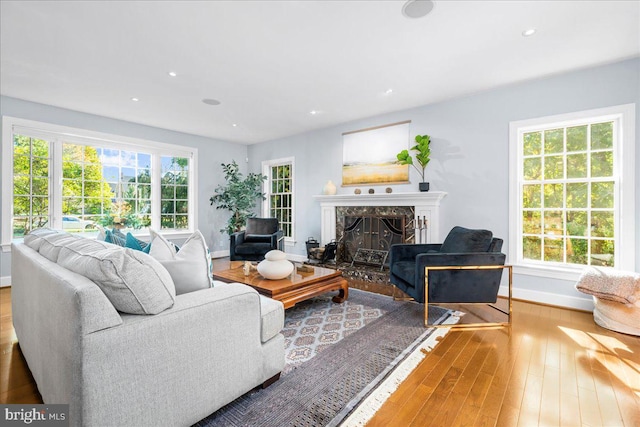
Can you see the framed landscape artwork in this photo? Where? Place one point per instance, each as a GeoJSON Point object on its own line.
{"type": "Point", "coordinates": [369, 155]}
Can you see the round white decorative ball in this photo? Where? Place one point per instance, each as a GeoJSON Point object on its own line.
{"type": "Point", "coordinates": [275, 269]}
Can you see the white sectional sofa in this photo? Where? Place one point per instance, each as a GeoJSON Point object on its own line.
{"type": "Point", "coordinates": [115, 369]}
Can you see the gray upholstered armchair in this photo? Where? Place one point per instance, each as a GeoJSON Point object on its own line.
{"type": "Point", "coordinates": [465, 268]}
{"type": "Point", "coordinates": [259, 237]}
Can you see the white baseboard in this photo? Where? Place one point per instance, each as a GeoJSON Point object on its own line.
{"type": "Point", "coordinates": [549, 298]}
{"type": "Point", "coordinates": [220, 254]}
{"type": "Point", "coordinates": [5, 281]}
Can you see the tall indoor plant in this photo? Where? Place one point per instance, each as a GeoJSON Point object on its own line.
{"type": "Point", "coordinates": [239, 196]}
{"type": "Point", "coordinates": [422, 154]}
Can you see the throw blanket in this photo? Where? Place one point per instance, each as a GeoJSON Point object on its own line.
{"type": "Point", "coordinates": [612, 285]}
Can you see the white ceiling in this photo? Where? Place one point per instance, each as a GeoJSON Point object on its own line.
{"type": "Point", "coordinates": [271, 62]}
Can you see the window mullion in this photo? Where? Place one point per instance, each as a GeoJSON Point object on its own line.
{"type": "Point", "coordinates": [55, 183]}
{"type": "Point", "coordinates": [156, 178]}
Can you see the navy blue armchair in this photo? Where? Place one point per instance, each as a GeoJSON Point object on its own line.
{"type": "Point", "coordinates": [260, 236]}
{"type": "Point", "coordinates": [465, 269]}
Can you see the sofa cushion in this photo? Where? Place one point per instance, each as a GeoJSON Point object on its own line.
{"type": "Point", "coordinates": [257, 238]}
{"type": "Point", "coordinates": [133, 281]}
{"type": "Point", "coordinates": [253, 248]}
{"type": "Point", "coordinates": [463, 240]}
{"type": "Point", "coordinates": [190, 267]}
{"type": "Point", "coordinates": [53, 243]}
{"type": "Point", "coordinates": [34, 238]}
{"type": "Point", "coordinates": [272, 318]}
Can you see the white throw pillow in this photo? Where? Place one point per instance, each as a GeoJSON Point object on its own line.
{"type": "Point", "coordinates": [164, 249]}
{"type": "Point", "coordinates": [102, 233]}
{"type": "Point", "coordinates": [190, 267]}
{"type": "Point", "coordinates": [133, 281]}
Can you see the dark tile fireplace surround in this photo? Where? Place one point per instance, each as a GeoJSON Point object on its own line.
{"type": "Point", "coordinates": [373, 228]}
{"type": "Point", "coordinates": [372, 223]}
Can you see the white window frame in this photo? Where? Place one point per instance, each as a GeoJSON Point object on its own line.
{"type": "Point", "coordinates": [58, 134]}
{"type": "Point", "coordinates": [266, 189]}
{"type": "Point", "coordinates": [623, 117]}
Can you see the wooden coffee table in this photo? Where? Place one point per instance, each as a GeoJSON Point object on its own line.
{"type": "Point", "coordinates": [291, 290]}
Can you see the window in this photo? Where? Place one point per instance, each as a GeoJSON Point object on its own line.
{"type": "Point", "coordinates": [175, 193]}
{"type": "Point", "coordinates": [278, 189]}
{"type": "Point", "coordinates": [75, 180]}
{"type": "Point", "coordinates": [31, 161]}
{"type": "Point", "coordinates": [106, 185]}
{"type": "Point", "coordinates": [573, 184]}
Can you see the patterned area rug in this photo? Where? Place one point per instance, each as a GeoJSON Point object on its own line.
{"type": "Point", "coordinates": [314, 325]}
{"type": "Point", "coordinates": [331, 369]}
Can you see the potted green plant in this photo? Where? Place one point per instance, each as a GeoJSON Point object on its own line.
{"type": "Point", "coordinates": [239, 196]}
{"type": "Point", "coordinates": [422, 153]}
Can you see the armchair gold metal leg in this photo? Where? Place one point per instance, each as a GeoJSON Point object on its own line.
{"type": "Point", "coordinates": [469, 325]}
{"type": "Point", "coordinates": [397, 297]}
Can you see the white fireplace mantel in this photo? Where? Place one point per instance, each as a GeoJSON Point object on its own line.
{"type": "Point", "coordinates": [426, 205]}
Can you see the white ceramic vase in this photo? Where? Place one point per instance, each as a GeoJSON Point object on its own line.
{"type": "Point", "coordinates": [275, 265]}
{"type": "Point", "coordinates": [329, 188]}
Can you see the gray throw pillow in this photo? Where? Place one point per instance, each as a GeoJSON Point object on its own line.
{"type": "Point", "coordinates": [133, 281]}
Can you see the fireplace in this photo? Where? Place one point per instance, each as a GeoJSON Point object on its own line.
{"type": "Point", "coordinates": [425, 215]}
{"type": "Point", "coordinates": [365, 233]}
{"type": "Point", "coordinates": [372, 233]}
{"type": "Point", "coordinates": [373, 222]}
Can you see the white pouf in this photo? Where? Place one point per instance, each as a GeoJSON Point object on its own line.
{"type": "Point", "coordinates": [617, 317]}
{"type": "Point", "coordinates": [275, 265]}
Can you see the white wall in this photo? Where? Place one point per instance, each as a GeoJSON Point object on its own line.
{"type": "Point", "coordinates": [470, 138]}
{"type": "Point", "coordinates": [211, 153]}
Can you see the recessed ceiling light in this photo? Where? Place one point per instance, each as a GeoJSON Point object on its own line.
{"type": "Point", "coordinates": [388, 91]}
{"type": "Point", "coordinates": [210, 101]}
{"type": "Point", "coordinates": [234, 125]}
{"type": "Point", "coordinates": [529, 32]}
{"type": "Point", "coordinates": [417, 8]}
{"type": "Point", "coordinates": [314, 112]}
{"type": "Point", "coordinates": [172, 73]}
{"type": "Point", "coordinates": [135, 99]}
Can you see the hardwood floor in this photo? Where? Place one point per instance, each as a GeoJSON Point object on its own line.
{"type": "Point", "coordinates": [16, 382]}
{"type": "Point", "coordinates": [553, 367]}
